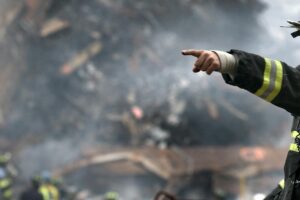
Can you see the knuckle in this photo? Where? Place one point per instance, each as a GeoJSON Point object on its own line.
{"type": "Point", "coordinates": [198, 62]}
{"type": "Point", "coordinates": [210, 59]}
{"type": "Point", "coordinates": [205, 66]}
{"type": "Point", "coordinates": [215, 64]}
{"type": "Point", "coordinates": [213, 56]}
{"type": "Point", "coordinates": [206, 54]}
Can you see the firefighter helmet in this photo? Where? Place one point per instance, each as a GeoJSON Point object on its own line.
{"type": "Point", "coordinates": [111, 196]}
{"type": "Point", "coordinates": [5, 158]}
{"type": "Point", "coordinates": [295, 25]}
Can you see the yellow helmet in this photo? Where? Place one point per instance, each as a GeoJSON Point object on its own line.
{"type": "Point", "coordinates": [295, 25]}
{"type": "Point", "coordinates": [5, 158]}
{"type": "Point", "coordinates": [111, 196]}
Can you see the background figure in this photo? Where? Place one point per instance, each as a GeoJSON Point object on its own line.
{"type": "Point", "coordinates": [7, 173]}
{"type": "Point", "coordinates": [32, 192]}
{"type": "Point", "coordinates": [111, 196]}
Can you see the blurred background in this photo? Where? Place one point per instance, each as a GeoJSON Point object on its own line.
{"type": "Point", "coordinates": [97, 93]}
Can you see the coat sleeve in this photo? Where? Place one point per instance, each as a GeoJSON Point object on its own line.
{"type": "Point", "coordinates": [271, 80]}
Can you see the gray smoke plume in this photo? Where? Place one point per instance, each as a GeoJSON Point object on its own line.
{"type": "Point", "coordinates": [140, 66]}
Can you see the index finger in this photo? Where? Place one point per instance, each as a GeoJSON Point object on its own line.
{"type": "Point", "coordinates": [192, 52]}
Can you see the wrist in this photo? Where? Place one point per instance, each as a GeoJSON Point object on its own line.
{"type": "Point", "coordinates": [227, 62]}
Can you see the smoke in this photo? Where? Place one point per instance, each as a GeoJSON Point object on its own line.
{"type": "Point", "coordinates": [43, 154]}
{"type": "Point", "coordinates": [140, 65]}
{"type": "Point", "coordinates": [278, 43]}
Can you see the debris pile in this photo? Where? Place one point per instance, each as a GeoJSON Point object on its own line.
{"type": "Point", "coordinates": [109, 73]}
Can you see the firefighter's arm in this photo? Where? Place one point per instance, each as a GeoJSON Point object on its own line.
{"type": "Point", "coordinates": [271, 80]}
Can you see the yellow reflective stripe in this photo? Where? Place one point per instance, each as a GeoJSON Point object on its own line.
{"type": "Point", "coordinates": [44, 192]}
{"type": "Point", "coordinates": [295, 134]}
{"type": "Point", "coordinates": [272, 80]}
{"type": "Point", "coordinates": [5, 183]}
{"type": "Point", "coordinates": [281, 183]}
{"type": "Point", "coordinates": [53, 192]}
{"type": "Point", "coordinates": [49, 192]}
{"type": "Point", "coordinates": [266, 79]}
{"type": "Point", "coordinates": [294, 147]}
{"type": "Point", "coordinates": [278, 82]}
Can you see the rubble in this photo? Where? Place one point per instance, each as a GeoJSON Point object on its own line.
{"type": "Point", "coordinates": [79, 59]}
{"type": "Point", "coordinates": [133, 51]}
{"type": "Point", "coordinates": [170, 163]}
{"type": "Point", "coordinates": [53, 26]}
{"type": "Point", "coordinates": [136, 93]}
{"type": "Point", "coordinates": [9, 13]}
{"type": "Point", "coordinates": [178, 166]}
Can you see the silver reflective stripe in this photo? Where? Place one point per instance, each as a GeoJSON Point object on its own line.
{"type": "Point", "coordinates": [272, 80]}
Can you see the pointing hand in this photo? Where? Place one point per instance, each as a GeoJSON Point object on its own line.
{"type": "Point", "coordinates": [207, 61]}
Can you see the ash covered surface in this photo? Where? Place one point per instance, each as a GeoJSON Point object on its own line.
{"type": "Point", "coordinates": [139, 65]}
{"type": "Point", "coordinates": [137, 90]}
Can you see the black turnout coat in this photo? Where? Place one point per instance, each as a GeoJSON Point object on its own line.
{"type": "Point", "coordinates": [278, 83]}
